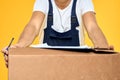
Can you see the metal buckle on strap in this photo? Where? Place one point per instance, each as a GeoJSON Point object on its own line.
{"type": "Point", "coordinates": [50, 17]}
{"type": "Point", "coordinates": [73, 19]}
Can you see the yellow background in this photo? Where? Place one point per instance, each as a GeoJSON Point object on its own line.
{"type": "Point", "coordinates": [14, 15]}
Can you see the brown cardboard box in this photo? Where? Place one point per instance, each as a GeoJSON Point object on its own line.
{"type": "Point", "coordinates": [45, 64]}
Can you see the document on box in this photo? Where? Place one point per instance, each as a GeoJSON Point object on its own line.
{"type": "Point", "coordinates": [60, 47]}
{"type": "Point", "coordinates": [83, 48]}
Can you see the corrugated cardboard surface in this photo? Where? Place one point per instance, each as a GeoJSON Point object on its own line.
{"type": "Point", "coordinates": [45, 64]}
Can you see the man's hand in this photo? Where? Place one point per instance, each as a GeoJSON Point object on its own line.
{"type": "Point", "coordinates": [108, 48]}
{"type": "Point", "coordinates": [6, 52]}
{"type": "Point", "coordinates": [111, 47]}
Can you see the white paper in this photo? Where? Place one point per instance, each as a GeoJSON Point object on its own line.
{"type": "Point", "coordinates": [60, 47]}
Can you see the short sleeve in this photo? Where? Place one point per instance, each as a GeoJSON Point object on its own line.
{"type": "Point", "coordinates": [86, 6]}
{"type": "Point", "coordinates": [40, 5]}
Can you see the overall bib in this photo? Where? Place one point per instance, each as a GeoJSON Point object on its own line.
{"type": "Point", "coordinates": [69, 38]}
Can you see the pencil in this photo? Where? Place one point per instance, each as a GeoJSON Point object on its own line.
{"type": "Point", "coordinates": [10, 44]}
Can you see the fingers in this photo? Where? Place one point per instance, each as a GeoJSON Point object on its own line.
{"type": "Point", "coordinates": [5, 52]}
{"type": "Point", "coordinates": [111, 47]}
{"type": "Point", "coordinates": [6, 60]}
{"type": "Point", "coordinates": [105, 48]}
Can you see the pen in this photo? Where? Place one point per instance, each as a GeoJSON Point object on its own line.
{"type": "Point", "coordinates": [10, 44]}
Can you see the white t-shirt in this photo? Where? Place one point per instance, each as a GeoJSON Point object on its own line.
{"type": "Point", "coordinates": [61, 18]}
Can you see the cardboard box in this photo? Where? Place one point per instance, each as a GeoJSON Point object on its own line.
{"type": "Point", "coordinates": [46, 64]}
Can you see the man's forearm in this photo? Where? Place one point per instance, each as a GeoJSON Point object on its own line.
{"type": "Point", "coordinates": [98, 38]}
{"type": "Point", "coordinates": [94, 32]}
{"type": "Point", "coordinates": [32, 29]}
{"type": "Point", "coordinates": [27, 36]}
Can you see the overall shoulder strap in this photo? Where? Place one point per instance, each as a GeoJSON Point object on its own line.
{"type": "Point", "coordinates": [50, 14]}
{"type": "Point", "coordinates": [50, 7]}
{"type": "Point", "coordinates": [74, 20]}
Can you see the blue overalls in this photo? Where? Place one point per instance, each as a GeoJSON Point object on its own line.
{"type": "Point", "coordinates": [69, 38]}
